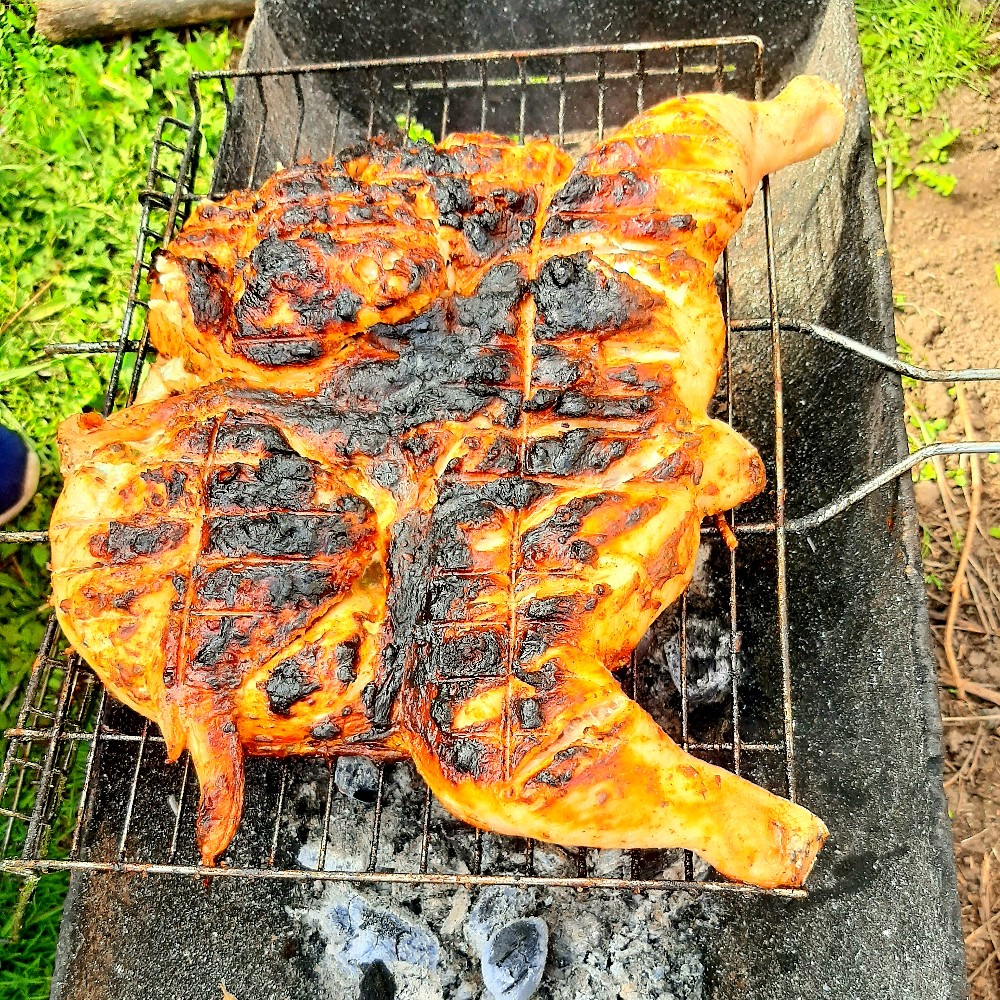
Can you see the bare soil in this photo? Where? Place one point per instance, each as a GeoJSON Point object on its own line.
{"type": "Point", "coordinates": [944, 252]}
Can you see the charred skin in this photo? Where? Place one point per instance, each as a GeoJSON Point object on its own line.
{"type": "Point", "coordinates": [493, 485]}
{"type": "Point", "coordinates": [275, 286]}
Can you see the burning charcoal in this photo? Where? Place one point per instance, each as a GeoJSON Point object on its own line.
{"type": "Point", "coordinates": [360, 932]}
{"type": "Point", "coordinates": [496, 906]}
{"type": "Point", "coordinates": [709, 647]}
{"type": "Point", "coordinates": [514, 959]}
{"type": "Point", "coordinates": [357, 778]}
{"type": "Point", "coordinates": [377, 983]}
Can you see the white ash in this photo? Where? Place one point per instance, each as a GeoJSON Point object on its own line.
{"type": "Point", "coordinates": [360, 931]}
{"type": "Point", "coordinates": [427, 942]}
{"type": "Point", "coordinates": [495, 907]}
{"type": "Point", "coordinates": [429, 939]}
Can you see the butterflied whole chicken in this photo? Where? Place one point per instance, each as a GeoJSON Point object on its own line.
{"type": "Point", "coordinates": [442, 459]}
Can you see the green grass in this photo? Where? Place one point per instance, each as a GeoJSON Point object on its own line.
{"type": "Point", "coordinates": [914, 52]}
{"type": "Point", "coordinates": [76, 128]}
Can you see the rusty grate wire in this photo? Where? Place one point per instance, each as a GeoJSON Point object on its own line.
{"type": "Point", "coordinates": [85, 784]}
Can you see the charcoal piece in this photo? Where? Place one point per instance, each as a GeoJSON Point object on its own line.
{"type": "Point", "coordinates": [496, 907]}
{"type": "Point", "coordinates": [377, 983]}
{"type": "Point", "coordinates": [514, 959]}
{"type": "Point", "coordinates": [357, 778]}
{"type": "Point", "coordinates": [709, 655]}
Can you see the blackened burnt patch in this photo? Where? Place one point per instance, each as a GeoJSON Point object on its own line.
{"type": "Point", "coordinates": [552, 368]}
{"type": "Point", "coordinates": [295, 183]}
{"type": "Point", "coordinates": [559, 531]}
{"type": "Point", "coordinates": [543, 679]}
{"type": "Point", "coordinates": [267, 587]}
{"type": "Point", "coordinates": [454, 199]}
{"type": "Point", "coordinates": [346, 655]}
{"type": "Point", "coordinates": [407, 155]}
{"type": "Point", "coordinates": [325, 731]}
{"type": "Point", "coordinates": [550, 609]}
{"type": "Point", "coordinates": [460, 510]}
{"type": "Point", "coordinates": [529, 713]}
{"type": "Point", "coordinates": [573, 453]}
{"type": "Point", "coordinates": [276, 534]}
{"type": "Point", "coordinates": [450, 596]}
{"type": "Point", "coordinates": [501, 457]}
{"type": "Point", "coordinates": [287, 685]}
{"type": "Point", "coordinates": [658, 227]}
{"type": "Point", "coordinates": [173, 481]}
{"type": "Point", "coordinates": [346, 305]}
{"type": "Point", "coordinates": [470, 654]}
{"type": "Point", "coordinates": [466, 756]}
{"type": "Point", "coordinates": [578, 189]}
{"type": "Point", "coordinates": [572, 294]}
{"type": "Point", "coordinates": [557, 226]}
{"type": "Point", "coordinates": [580, 404]}
{"type": "Point", "coordinates": [275, 266]}
{"type": "Point", "coordinates": [246, 436]}
{"type": "Point", "coordinates": [585, 192]}
{"type": "Point", "coordinates": [283, 481]}
{"type": "Point", "coordinates": [447, 363]}
{"type": "Point", "coordinates": [285, 265]}
{"type": "Point", "coordinates": [490, 312]}
{"type": "Point", "coordinates": [516, 492]}
{"type": "Point", "coordinates": [279, 353]}
{"type": "Point", "coordinates": [222, 638]}
{"type": "Point", "coordinates": [206, 284]}
{"type": "Point", "coordinates": [125, 542]}
{"type": "Point", "coordinates": [501, 222]}
{"type": "Point", "coordinates": [408, 573]}
{"type": "Point", "coordinates": [332, 307]}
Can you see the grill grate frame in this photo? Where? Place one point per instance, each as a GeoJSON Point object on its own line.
{"type": "Point", "coordinates": [68, 729]}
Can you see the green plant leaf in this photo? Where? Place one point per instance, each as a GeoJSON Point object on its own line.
{"type": "Point", "coordinates": [939, 183]}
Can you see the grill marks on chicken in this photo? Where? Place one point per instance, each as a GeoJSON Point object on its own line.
{"type": "Point", "coordinates": [482, 481]}
{"type": "Point", "coordinates": [276, 286]}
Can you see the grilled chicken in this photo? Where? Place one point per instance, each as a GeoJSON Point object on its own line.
{"type": "Point", "coordinates": [475, 490]}
{"type": "Point", "coordinates": [275, 286]}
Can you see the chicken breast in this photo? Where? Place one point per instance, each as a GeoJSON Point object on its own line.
{"type": "Point", "coordinates": [437, 537]}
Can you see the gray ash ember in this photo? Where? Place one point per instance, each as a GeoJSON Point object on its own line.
{"type": "Point", "coordinates": [446, 943]}
{"type": "Point", "coordinates": [514, 959]}
{"type": "Point", "coordinates": [356, 777]}
{"type": "Point", "coordinates": [709, 643]}
{"type": "Point", "coordinates": [709, 660]}
{"type": "Point", "coordinates": [512, 947]}
{"type": "Point", "coordinates": [373, 950]}
{"type": "Point", "coordinates": [496, 907]}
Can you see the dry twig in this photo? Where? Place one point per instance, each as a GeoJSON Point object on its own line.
{"type": "Point", "coordinates": [17, 314]}
{"type": "Point", "coordinates": [982, 691]}
{"type": "Point", "coordinates": [971, 759]}
{"type": "Point", "coordinates": [963, 559]}
{"type": "Point", "coordinates": [986, 904]}
{"type": "Point", "coordinates": [888, 200]}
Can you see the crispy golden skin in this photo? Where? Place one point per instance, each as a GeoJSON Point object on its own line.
{"type": "Point", "coordinates": [446, 553]}
{"type": "Point", "coordinates": [274, 287]}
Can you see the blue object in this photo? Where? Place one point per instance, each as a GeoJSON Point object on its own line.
{"type": "Point", "coordinates": [18, 474]}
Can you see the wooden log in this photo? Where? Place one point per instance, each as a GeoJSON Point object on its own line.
{"type": "Point", "coordinates": [70, 20]}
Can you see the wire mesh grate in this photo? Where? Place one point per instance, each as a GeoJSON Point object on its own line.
{"type": "Point", "coordinates": [85, 782]}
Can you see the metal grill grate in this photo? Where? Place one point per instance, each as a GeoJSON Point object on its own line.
{"type": "Point", "coordinates": [85, 784]}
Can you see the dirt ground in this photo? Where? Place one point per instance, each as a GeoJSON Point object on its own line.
{"type": "Point", "coordinates": [944, 253]}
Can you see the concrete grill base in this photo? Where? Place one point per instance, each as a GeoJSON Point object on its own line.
{"type": "Point", "coordinates": [881, 919]}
